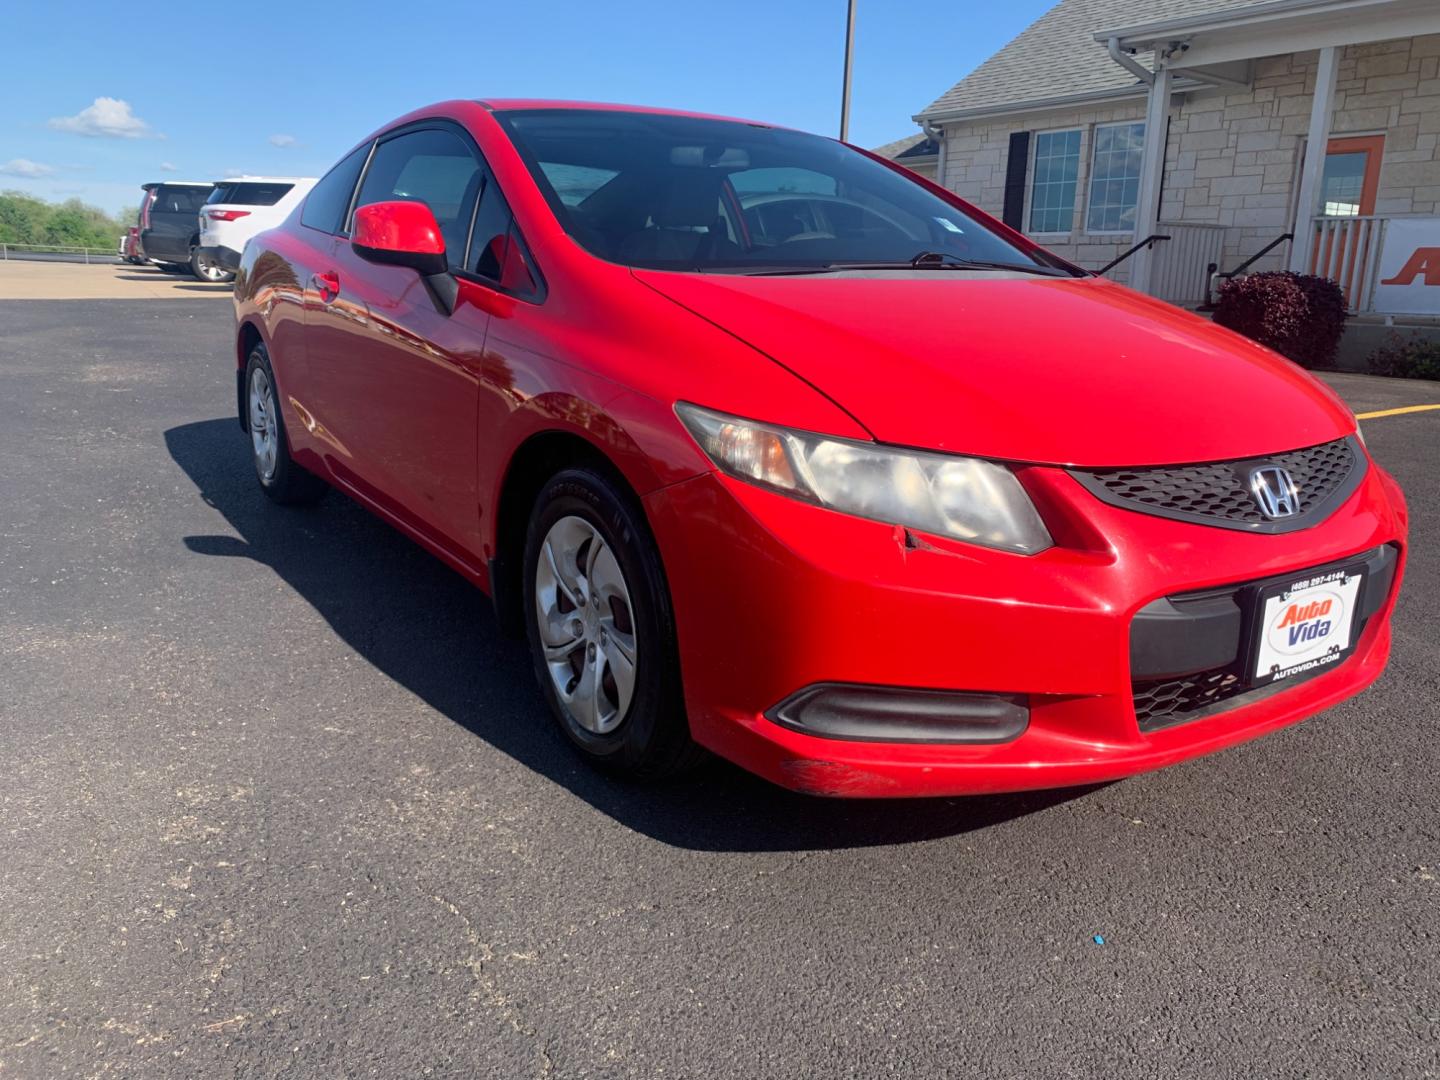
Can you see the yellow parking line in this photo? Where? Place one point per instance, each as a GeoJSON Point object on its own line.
{"type": "Point", "coordinates": [1394, 412]}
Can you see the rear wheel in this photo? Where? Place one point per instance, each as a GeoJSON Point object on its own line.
{"type": "Point", "coordinates": [207, 269]}
{"type": "Point", "coordinates": [601, 632]}
{"type": "Point", "coordinates": [280, 477]}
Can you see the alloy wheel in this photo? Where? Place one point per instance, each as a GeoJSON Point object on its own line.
{"type": "Point", "coordinates": [264, 438]}
{"type": "Point", "coordinates": [586, 625]}
{"type": "Point", "coordinates": [209, 269]}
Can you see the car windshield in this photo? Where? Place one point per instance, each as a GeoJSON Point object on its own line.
{"type": "Point", "coordinates": [684, 193]}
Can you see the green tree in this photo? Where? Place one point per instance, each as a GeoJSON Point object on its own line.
{"type": "Point", "coordinates": [24, 219]}
{"type": "Point", "coordinates": [21, 218]}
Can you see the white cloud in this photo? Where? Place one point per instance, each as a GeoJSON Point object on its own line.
{"type": "Point", "coordinates": [283, 140]}
{"type": "Point", "coordinates": [25, 167]}
{"type": "Point", "coordinates": [167, 166]}
{"type": "Point", "coordinates": [231, 173]}
{"type": "Point", "coordinates": [106, 117]}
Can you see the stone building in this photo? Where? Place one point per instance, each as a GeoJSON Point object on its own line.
{"type": "Point", "coordinates": [1303, 132]}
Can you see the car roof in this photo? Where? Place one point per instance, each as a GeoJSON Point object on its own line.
{"type": "Point", "coordinates": [153, 184]}
{"type": "Point", "coordinates": [508, 104]}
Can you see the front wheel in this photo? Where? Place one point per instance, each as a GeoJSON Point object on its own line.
{"type": "Point", "coordinates": [601, 632]}
{"type": "Point", "coordinates": [207, 269]}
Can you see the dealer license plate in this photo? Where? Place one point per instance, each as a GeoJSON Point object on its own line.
{"type": "Point", "coordinates": [1305, 624]}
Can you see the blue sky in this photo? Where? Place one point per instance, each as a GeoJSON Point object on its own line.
{"type": "Point", "coordinates": [107, 95]}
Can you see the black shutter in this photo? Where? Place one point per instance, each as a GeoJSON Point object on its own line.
{"type": "Point", "coordinates": [1017, 163]}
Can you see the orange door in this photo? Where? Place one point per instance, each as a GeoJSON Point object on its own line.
{"type": "Point", "coordinates": [1347, 190]}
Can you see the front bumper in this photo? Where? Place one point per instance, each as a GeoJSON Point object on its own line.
{"type": "Point", "coordinates": [772, 596]}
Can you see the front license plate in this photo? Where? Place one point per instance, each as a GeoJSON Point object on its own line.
{"type": "Point", "coordinates": [1305, 624]}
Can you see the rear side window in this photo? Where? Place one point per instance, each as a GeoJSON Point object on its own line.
{"type": "Point", "coordinates": [432, 166]}
{"type": "Point", "coordinates": [329, 200]}
{"type": "Point", "coordinates": [784, 180]}
{"type": "Point", "coordinates": [249, 193]}
{"type": "Point", "coordinates": [575, 183]}
{"type": "Point", "coordinates": [175, 199]}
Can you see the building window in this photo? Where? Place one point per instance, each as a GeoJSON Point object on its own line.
{"type": "Point", "coordinates": [1342, 185]}
{"type": "Point", "coordinates": [1115, 178]}
{"type": "Point", "coordinates": [1351, 178]}
{"type": "Point", "coordinates": [1052, 188]}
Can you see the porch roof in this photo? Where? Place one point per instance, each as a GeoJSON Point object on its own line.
{"type": "Point", "coordinates": [1054, 61]}
{"type": "Point", "coordinates": [1273, 27]}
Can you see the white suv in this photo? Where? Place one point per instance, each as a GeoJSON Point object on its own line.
{"type": "Point", "coordinates": [236, 210]}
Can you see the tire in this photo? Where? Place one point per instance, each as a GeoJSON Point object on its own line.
{"type": "Point", "coordinates": [643, 735]}
{"type": "Point", "coordinates": [208, 270]}
{"type": "Point", "coordinates": [279, 476]}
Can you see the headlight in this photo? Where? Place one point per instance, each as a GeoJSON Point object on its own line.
{"type": "Point", "coordinates": [966, 498]}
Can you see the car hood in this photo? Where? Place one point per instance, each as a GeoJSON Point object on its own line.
{"type": "Point", "coordinates": [1073, 371]}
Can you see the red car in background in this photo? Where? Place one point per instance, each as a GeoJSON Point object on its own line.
{"type": "Point", "coordinates": [129, 249]}
{"type": "Point", "coordinates": [772, 448]}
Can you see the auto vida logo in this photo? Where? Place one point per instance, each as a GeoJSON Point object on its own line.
{"type": "Point", "coordinates": [1275, 492]}
{"type": "Point", "coordinates": [1300, 625]}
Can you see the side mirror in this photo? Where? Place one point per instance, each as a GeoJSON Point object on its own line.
{"type": "Point", "coordinates": [400, 233]}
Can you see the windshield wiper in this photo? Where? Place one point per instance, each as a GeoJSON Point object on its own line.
{"type": "Point", "coordinates": [926, 260]}
{"type": "Point", "coordinates": [937, 260]}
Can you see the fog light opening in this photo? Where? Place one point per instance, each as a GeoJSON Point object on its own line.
{"type": "Point", "coordinates": [897, 714]}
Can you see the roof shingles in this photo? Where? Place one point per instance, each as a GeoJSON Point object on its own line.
{"type": "Point", "coordinates": [1057, 55]}
{"type": "Point", "coordinates": [914, 146]}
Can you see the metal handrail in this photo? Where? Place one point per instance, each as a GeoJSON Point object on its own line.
{"type": "Point", "coordinates": [1214, 271]}
{"type": "Point", "coordinates": [1149, 241]}
{"type": "Point", "coordinates": [59, 249]}
{"type": "Point", "coordinates": [1253, 259]}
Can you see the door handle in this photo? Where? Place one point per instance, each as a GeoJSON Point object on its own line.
{"type": "Point", "coordinates": [326, 284]}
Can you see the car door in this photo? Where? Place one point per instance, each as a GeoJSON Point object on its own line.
{"type": "Point", "coordinates": [174, 221]}
{"type": "Point", "coordinates": [398, 373]}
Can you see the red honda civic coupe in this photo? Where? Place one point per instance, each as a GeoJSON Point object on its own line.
{"type": "Point", "coordinates": [772, 448]}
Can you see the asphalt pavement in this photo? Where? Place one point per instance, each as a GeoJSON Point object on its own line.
{"type": "Point", "coordinates": [275, 800]}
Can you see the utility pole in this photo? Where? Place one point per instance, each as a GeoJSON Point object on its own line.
{"type": "Point", "coordinates": [849, 57]}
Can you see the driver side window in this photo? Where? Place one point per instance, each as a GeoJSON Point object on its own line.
{"type": "Point", "coordinates": [431, 166]}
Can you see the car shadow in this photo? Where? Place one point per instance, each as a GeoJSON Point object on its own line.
{"type": "Point", "coordinates": [432, 632]}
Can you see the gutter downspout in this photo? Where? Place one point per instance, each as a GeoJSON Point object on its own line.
{"type": "Point", "coordinates": [934, 131]}
{"type": "Point", "coordinates": [1128, 62]}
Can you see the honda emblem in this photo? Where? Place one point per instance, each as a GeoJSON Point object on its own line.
{"type": "Point", "coordinates": [1275, 492]}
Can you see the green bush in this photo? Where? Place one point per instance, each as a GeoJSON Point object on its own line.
{"type": "Point", "coordinates": [1415, 358]}
{"type": "Point", "coordinates": [1298, 315]}
{"type": "Point", "coordinates": [25, 219]}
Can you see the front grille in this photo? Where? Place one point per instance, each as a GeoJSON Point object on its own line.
{"type": "Point", "coordinates": [1159, 704]}
{"type": "Point", "coordinates": [1199, 616]}
{"type": "Point", "coordinates": [1219, 493]}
